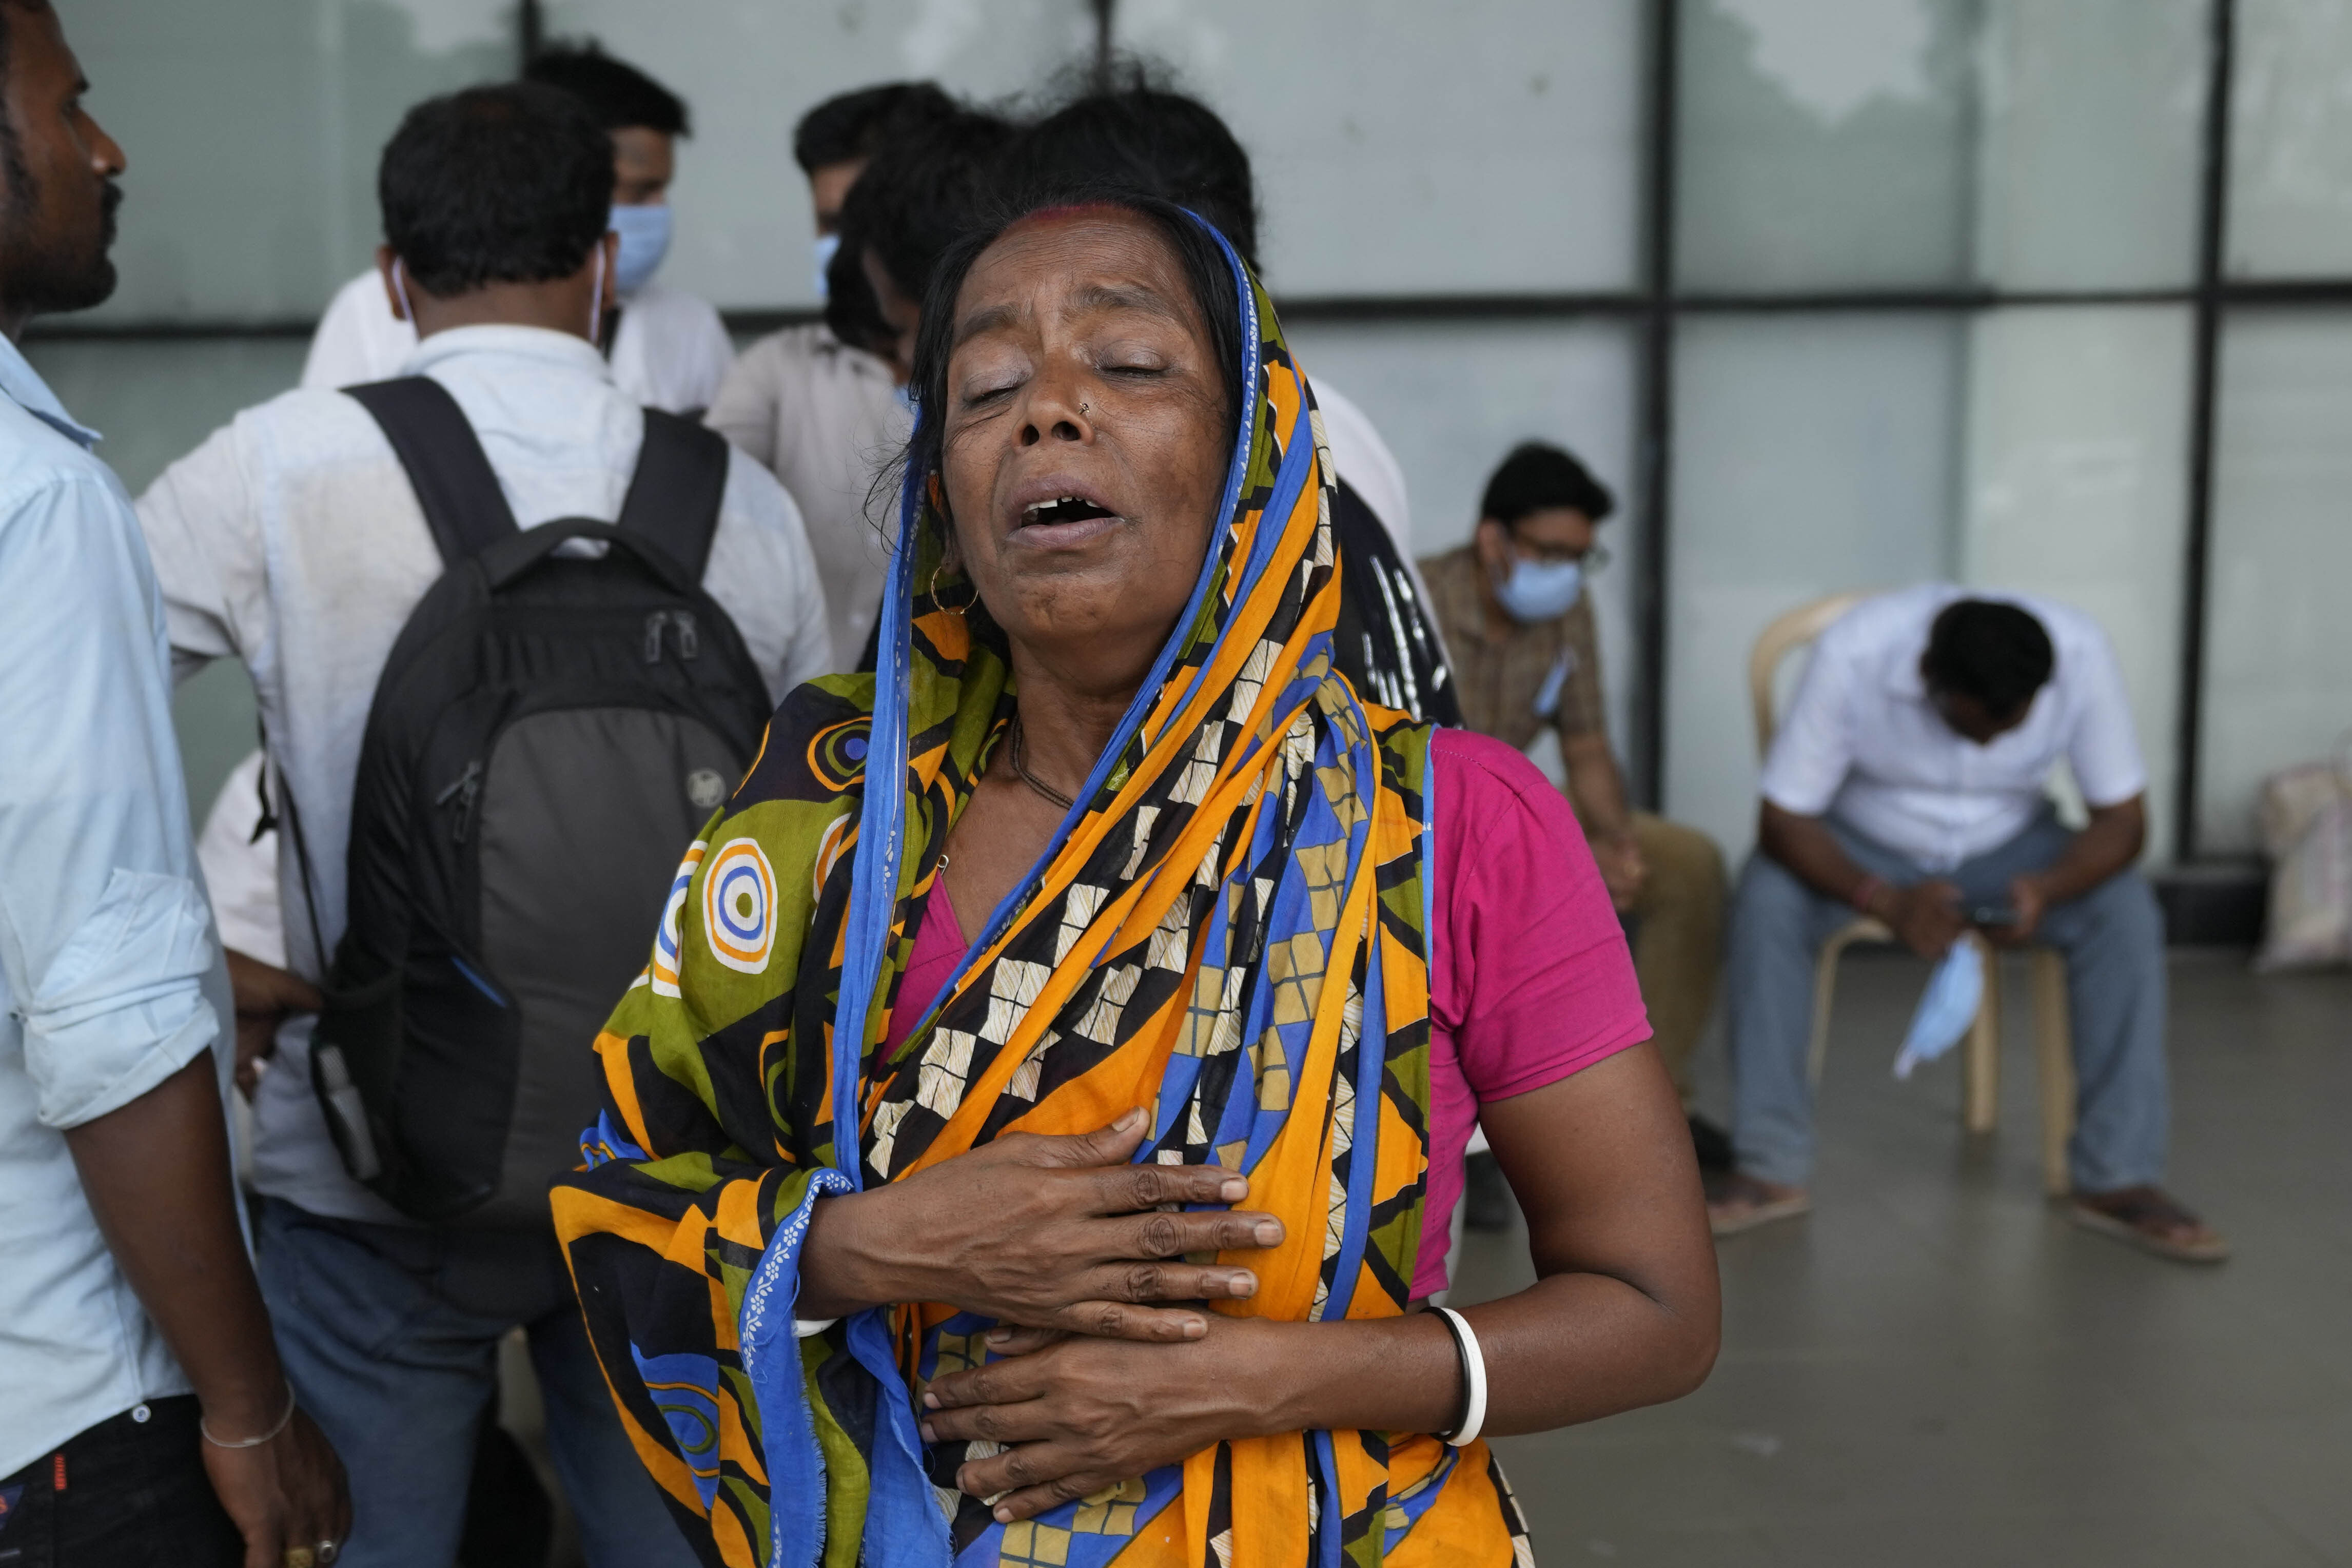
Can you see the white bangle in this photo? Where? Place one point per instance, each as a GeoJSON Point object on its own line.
{"type": "Point", "coordinates": [206, 1432]}
{"type": "Point", "coordinates": [1473, 1378]}
{"type": "Point", "coordinates": [809, 1327]}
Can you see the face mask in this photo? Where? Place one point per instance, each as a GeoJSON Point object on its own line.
{"type": "Point", "coordinates": [826, 245]}
{"type": "Point", "coordinates": [645, 240]}
{"type": "Point", "coordinates": [400, 287]}
{"type": "Point", "coordinates": [1946, 1008]}
{"type": "Point", "coordinates": [1538, 591]}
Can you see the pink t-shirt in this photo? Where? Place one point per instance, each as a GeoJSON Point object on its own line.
{"type": "Point", "coordinates": [1530, 979]}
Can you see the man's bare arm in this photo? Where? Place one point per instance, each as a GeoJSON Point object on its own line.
{"type": "Point", "coordinates": [156, 1172]}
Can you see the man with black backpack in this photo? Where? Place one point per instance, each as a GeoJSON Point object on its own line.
{"type": "Point", "coordinates": [514, 638]}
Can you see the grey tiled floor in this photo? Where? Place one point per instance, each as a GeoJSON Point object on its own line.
{"type": "Point", "coordinates": [1935, 1368]}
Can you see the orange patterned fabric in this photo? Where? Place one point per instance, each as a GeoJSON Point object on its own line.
{"type": "Point", "coordinates": [1228, 930]}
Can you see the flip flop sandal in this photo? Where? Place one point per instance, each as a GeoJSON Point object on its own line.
{"type": "Point", "coordinates": [1753, 1210]}
{"type": "Point", "coordinates": [2147, 1219]}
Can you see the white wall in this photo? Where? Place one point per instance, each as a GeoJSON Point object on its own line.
{"type": "Point", "coordinates": [1811, 455]}
{"type": "Point", "coordinates": [2278, 658]}
{"type": "Point", "coordinates": [2076, 488]}
{"type": "Point", "coordinates": [750, 70]}
{"type": "Point", "coordinates": [1451, 400]}
{"type": "Point", "coordinates": [252, 128]}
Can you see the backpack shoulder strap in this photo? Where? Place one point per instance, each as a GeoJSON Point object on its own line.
{"type": "Point", "coordinates": [462, 504]}
{"type": "Point", "coordinates": [674, 496]}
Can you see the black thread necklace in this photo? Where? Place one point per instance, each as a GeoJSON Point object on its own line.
{"type": "Point", "coordinates": [1020, 754]}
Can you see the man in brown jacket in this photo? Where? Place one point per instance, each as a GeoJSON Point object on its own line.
{"type": "Point", "coordinates": [1519, 626]}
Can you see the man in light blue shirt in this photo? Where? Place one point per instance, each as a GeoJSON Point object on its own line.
{"type": "Point", "coordinates": [137, 1371]}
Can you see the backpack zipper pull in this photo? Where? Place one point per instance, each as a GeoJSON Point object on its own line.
{"type": "Point", "coordinates": [464, 790]}
{"type": "Point", "coordinates": [654, 635]}
{"type": "Point", "coordinates": [689, 646]}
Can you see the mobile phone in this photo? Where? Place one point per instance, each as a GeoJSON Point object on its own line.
{"type": "Point", "coordinates": [1993, 915]}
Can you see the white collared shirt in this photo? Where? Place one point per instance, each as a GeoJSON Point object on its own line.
{"type": "Point", "coordinates": [670, 350]}
{"type": "Point", "coordinates": [110, 978]}
{"type": "Point", "coordinates": [1863, 744]}
{"type": "Point", "coordinates": [291, 540]}
{"type": "Point", "coordinates": [826, 418]}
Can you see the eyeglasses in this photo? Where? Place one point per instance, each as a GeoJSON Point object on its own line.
{"type": "Point", "coordinates": [1592, 560]}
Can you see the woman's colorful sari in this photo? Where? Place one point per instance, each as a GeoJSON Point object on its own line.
{"type": "Point", "coordinates": [1229, 930]}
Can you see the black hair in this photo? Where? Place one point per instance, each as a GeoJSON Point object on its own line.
{"type": "Point", "coordinates": [618, 94]}
{"type": "Point", "coordinates": [510, 184]}
{"type": "Point", "coordinates": [1144, 136]}
{"type": "Point", "coordinates": [858, 124]}
{"type": "Point", "coordinates": [1199, 257]}
{"type": "Point", "coordinates": [1537, 476]}
{"type": "Point", "coordinates": [1997, 653]}
{"type": "Point", "coordinates": [926, 188]}
{"type": "Point", "coordinates": [13, 167]}
{"type": "Point", "coordinates": [852, 313]}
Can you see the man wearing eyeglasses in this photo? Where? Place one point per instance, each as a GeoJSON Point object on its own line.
{"type": "Point", "coordinates": [1519, 629]}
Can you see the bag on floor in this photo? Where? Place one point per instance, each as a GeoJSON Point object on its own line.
{"type": "Point", "coordinates": [553, 724]}
{"type": "Point", "coordinates": [2308, 833]}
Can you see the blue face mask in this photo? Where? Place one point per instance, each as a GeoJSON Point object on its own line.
{"type": "Point", "coordinates": [1538, 591]}
{"type": "Point", "coordinates": [1946, 1008]}
{"type": "Point", "coordinates": [827, 246]}
{"type": "Point", "coordinates": [645, 240]}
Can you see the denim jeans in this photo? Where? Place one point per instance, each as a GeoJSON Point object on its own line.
{"type": "Point", "coordinates": [133, 1495]}
{"type": "Point", "coordinates": [2113, 941]}
{"type": "Point", "coordinates": [391, 1333]}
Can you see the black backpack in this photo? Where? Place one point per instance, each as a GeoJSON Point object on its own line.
{"type": "Point", "coordinates": [550, 728]}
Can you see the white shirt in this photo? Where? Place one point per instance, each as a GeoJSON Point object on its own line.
{"type": "Point", "coordinates": [1863, 744]}
{"type": "Point", "coordinates": [1364, 461]}
{"type": "Point", "coordinates": [1362, 458]}
{"type": "Point", "coordinates": [670, 350]}
{"type": "Point", "coordinates": [826, 418]}
{"type": "Point", "coordinates": [109, 979]}
{"type": "Point", "coordinates": [291, 540]}
{"type": "Point", "coordinates": [241, 870]}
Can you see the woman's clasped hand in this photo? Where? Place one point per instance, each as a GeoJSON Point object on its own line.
{"type": "Point", "coordinates": [1076, 1415]}
{"type": "Point", "coordinates": [1059, 1233]}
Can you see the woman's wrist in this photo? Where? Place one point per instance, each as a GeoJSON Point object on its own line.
{"type": "Point", "coordinates": [840, 1271]}
{"type": "Point", "coordinates": [1396, 1374]}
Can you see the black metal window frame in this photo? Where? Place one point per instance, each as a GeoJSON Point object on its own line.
{"type": "Point", "coordinates": [1657, 304]}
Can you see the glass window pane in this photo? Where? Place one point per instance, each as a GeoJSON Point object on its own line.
{"type": "Point", "coordinates": [1813, 456]}
{"type": "Point", "coordinates": [2093, 116]}
{"type": "Point", "coordinates": [252, 133]}
{"type": "Point", "coordinates": [1452, 398]}
{"type": "Point", "coordinates": [1482, 144]}
{"type": "Point", "coordinates": [2278, 639]}
{"type": "Point", "coordinates": [2076, 488]}
{"type": "Point", "coordinates": [2291, 139]}
{"type": "Point", "coordinates": [1922, 143]}
{"type": "Point", "coordinates": [1824, 143]}
{"type": "Point", "coordinates": [749, 72]}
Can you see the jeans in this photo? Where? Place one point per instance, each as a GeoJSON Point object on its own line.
{"type": "Point", "coordinates": [390, 1334]}
{"type": "Point", "coordinates": [130, 1492]}
{"type": "Point", "coordinates": [2113, 941]}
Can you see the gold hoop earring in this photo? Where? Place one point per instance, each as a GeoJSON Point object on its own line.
{"type": "Point", "coordinates": [932, 592]}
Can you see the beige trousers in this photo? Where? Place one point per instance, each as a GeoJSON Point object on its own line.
{"type": "Point", "coordinates": [1678, 936]}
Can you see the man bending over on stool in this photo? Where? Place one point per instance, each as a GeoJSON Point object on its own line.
{"type": "Point", "coordinates": [1910, 783]}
